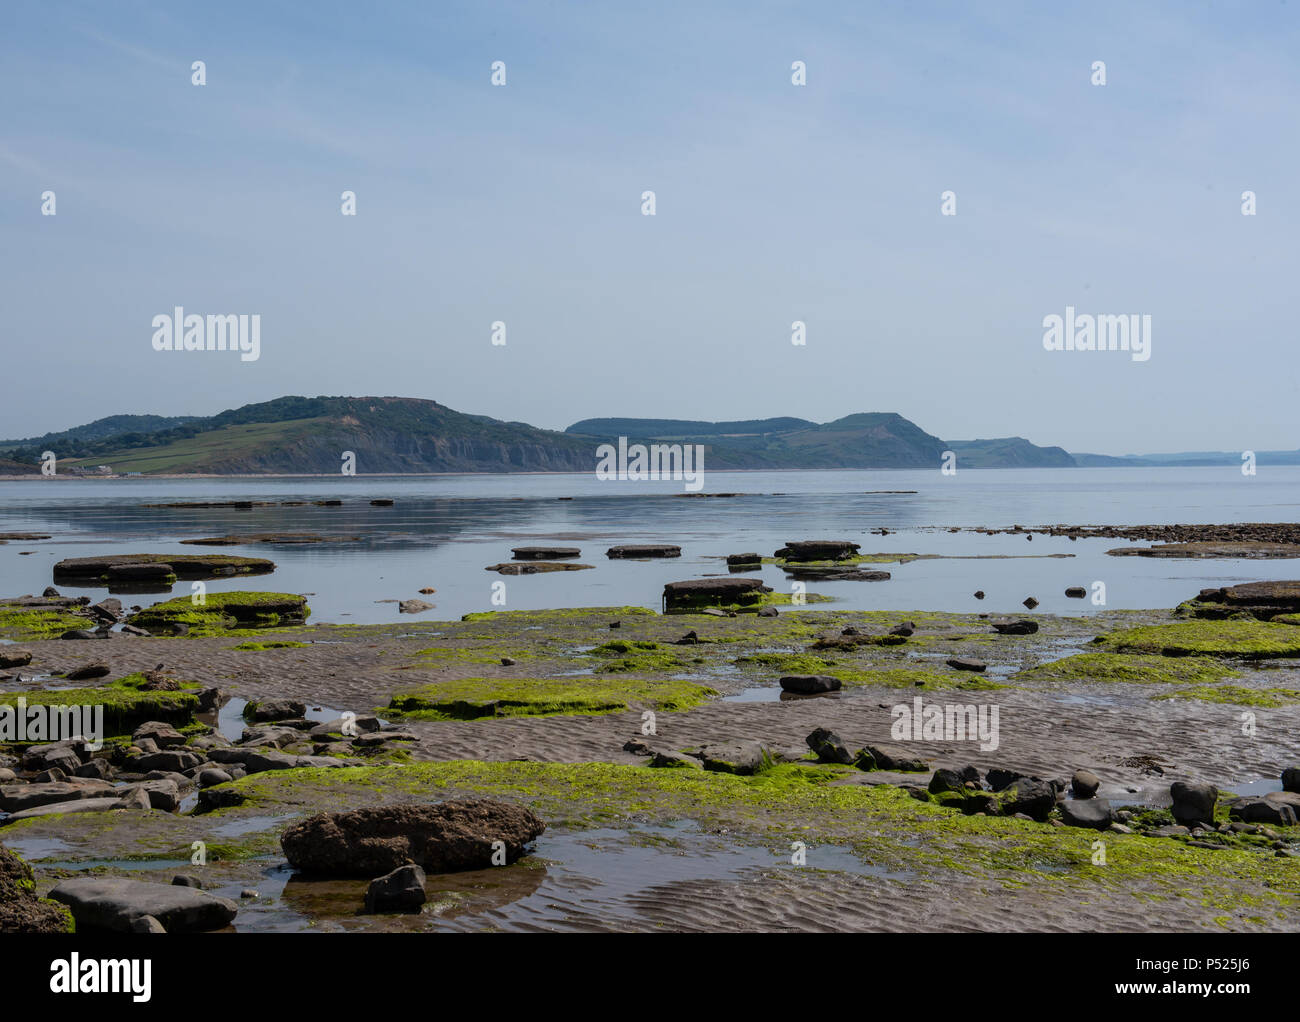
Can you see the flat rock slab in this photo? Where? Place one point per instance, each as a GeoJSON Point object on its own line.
{"type": "Point", "coordinates": [818, 550]}
{"type": "Point", "coordinates": [743, 757]}
{"type": "Point", "coordinates": [15, 798]}
{"type": "Point", "coordinates": [966, 664]}
{"type": "Point", "coordinates": [85, 805]}
{"type": "Point", "coordinates": [109, 903]}
{"type": "Point", "coordinates": [544, 553]}
{"type": "Point", "coordinates": [635, 550]}
{"type": "Point", "coordinates": [721, 589]}
{"type": "Point", "coordinates": [535, 567]}
{"type": "Point", "coordinates": [192, 566]}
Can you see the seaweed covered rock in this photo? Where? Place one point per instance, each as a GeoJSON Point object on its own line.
{"type": "Point", "coordinates": [20, 910]}
{"type": "Point", "coordinates": [219, 611]}
{"type": "Point", "coordinates": [440, 838]}
{"type": "Point", "coordinates": [1261, 600]}
{"type": "Point", "coordinates": [818, 550]}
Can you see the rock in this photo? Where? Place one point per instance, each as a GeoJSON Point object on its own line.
{"type": "Point", "coordinates": [1020, 627]}
{"type": "Point", "coordinates": [917, 792]}
{"type": "Point", "coordinates": [186, 880]}
{"type": "Point", "coordinates": [966, 664]}
{"type": "Point", "coordinates": [110, 903]}
{"type": "Point", "coordinates": [946, 780]}
{"type": "Point", "coordinates": [818, 550]}
{"type": "Point", "coordinates": [719, 589]}
{"type": "Point", "coordinates": [249, 893]}
{"type": "Point", "coordinates": [508, 661]}
{"type": "Point", "coordinates": [747, 558]}
{"type": "Point", "coordinates": [52, 774]}
{"type": "Point", "coordinates": [739, 757]}
{"type": "Point", "coordinates": [161, 734]}
{"type": "Point", "coordinates": [83, 633]}
{"type": "Point", "coordinates": [10, 657]}
{"type": "Point", "coordinates": [402, 890]}
{"type": "Point", "coordinates": [636, 550]}
{"type": "Point", "coordinates": [1171, 830]}
{"type": "Point", "coordinates": [1262, 600]}
{"type": "Point", "coordinates": [1076, 592]}
{"type": "Point", "coordinates": [1291, 779]}
{"type": "Point", "coordinates": [1277, 807]}
{"type": "Point", "coordinates": [1119, 828]}
{"type": "Point", "coordinates": [135, 798]}
{"type": "Point", "coordinates": [1193, 803]}
{"type": "Point", "coordinates": [133, 630]}
{"type": "Point", "coordinates": [1030, 796]}
{"type": "Point", "coordinates": [274, 709]}
{"type": "Point", "coordinates": [15, 798]}
{"type": "Point", "coordinates": [906, 629]}
{"type": "Point", "coordinates": [545, 553]}
{"type": "Point", "coordinates": [439, 838]}
{"type": "Point", "coordinates": [210, 700]}
{"type": "Point", "coordinates": [49, 592]}
{"type": "Point", "coordinates": [7, 775]}
{"type": "Point", "coordinates": [829, 746]}
{"type": "Point", "coordinates": [147, 924]}
{"type": "Point", "coordinates": [160, 794]}
{"type": "Point", "coordinates": [20, 910]}
{"type": "Point", "coordinates": [1030, 602]}
{"type": "Point", "coordinates": [174, 760]}
{"type": "Point", "coordinates": [361, 724]}
{"type": "Point", "coordinates": [1084, 784]}
{"type": "Point", "coordinates": [689, 639]}
{"type": "Point", "coordinates": [382, 502]}
{"type": "Point", "coordinates": [979, 594]}
{"type": "Point", "coordinates": [891, 757]}
{"type": "Point", "coordinates": [1094, 813]}
{"type": "Point", "coordinates": [100, 768]}
{"type": "Point", "coordinates": [715, 612]}
{"type": "Point", "coordinates": [675, 760]}
{"type": "Point", "coordinates": [769, 612]}
{"type": "Point", "coordinates": [219, 798]}
{"type": "Point", "coordinates": [85, 805]}
{"type": "Point", "coordinates": [414, 607]}
{"type": "Point", "coordinates": [810, 684]}
{"type": "Point", "coordinates": [65, 755]}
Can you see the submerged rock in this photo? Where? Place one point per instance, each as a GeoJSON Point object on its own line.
{"type": "Point", "coordinates": [111, 903]}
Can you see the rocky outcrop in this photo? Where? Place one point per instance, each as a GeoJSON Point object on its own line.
{"type": "Point", "coordinates": [439, 838]}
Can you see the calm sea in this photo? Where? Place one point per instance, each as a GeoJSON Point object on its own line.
{"type": "Point", "coordinates": [443, 531]}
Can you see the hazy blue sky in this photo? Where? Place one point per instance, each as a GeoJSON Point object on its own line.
{"type": "Point", "coordinates": [775, 203]}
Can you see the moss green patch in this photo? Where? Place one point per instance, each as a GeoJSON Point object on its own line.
{"type": "Point", "coordinates": [551, 616]}
{"type": "Point", "coordinates": [125, 705]}
{"type": "Point", "coordinates": [476, 698]}
{"type": "Point", "coordinates": [636, 657]}
{"type": "Point", "coordinates": [222, 613]}
{"type": "Point", "coordinates": [1136, 669]}
{"type": "Point", "coordinates": [1251, 640]}
{"type": "Point", "coordinates": [1236, 695]}
{"type": "Point", "coordinates": [285, 644]}
{"type": "Point", "coordinates": [32, 625]}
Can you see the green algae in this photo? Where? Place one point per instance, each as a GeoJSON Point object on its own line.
{"type": "Point", "coordinates": [34, 625]}
{"type": "Point", "coordinates": [125, 704]}
{"type": "Point", "coordinates": [1137, 669]}
{"type": "Point", "coordinates": [477, 698]}
{"type": "Point", "coordinates": [284, 644]}
{"type": "Point", "coordinates": [1249, 640]}
{"type": "Point", "coordinates": [1236, 695]}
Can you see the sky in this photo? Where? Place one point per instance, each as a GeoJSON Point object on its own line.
{"type": "Point", "coordinates": [774, 203]}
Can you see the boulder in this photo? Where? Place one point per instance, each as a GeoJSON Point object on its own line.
{"type": "Point", "coordinates": [810, 684]}
{"type": "Point", "coordinates": [111, 903]}
{"type": "Point", "coordinates": [739, 757]}
{"type": "Point", "coordinates": [966, 664]}
{"type": "Point", "coordinates": [414, 606]}
{"type": "Point", "coordinates": [20, 910]}
{"type": "Point", "coordinates": [544, 553]}
{"type": "Point", "coordinates": [748, 558]}
{"type": "Point", "coordinates": [163, 735]}
{"type": "Point", "coordinates": [719, 589]}
{"type": "Point", "coordinates": [1030, 796]}
{"type": "Point", "coordinates": [212, 776]}
{"type": "Point", "coordinates": [1093, 813]}
{"type": "Point", "coordinates": [274, 709]}
{"type": "Point", "coordinates": [1022, 626]}
{"type": "Point", "coordinates": [675, 759]}
{"type": "Point", "coordinates": [402, 890]}
{"type": "Point", "coordinates": [1193, 803]}
{"type": "Point", "coordinates": [1076, 592]}
{"type": "Point", "coordinates": [1084, 784]}
{"type": "Point", "coordinates": [1277, 807]}
{"type": "Point", "coordinates": [17, 797]}
{"type": "Point", "coordinates": [1291, 779]}
{"type": "Point", "coordinates": [890, 757]}
{"type": "Point", "coordinates": [14, 657]}
{"type": "Point", "coordinates": [438, 837]}
{"type": "Point", "coordinates": [829, 746]}
{"type": "Point", "coordinates": [946, 780]}
{"type": "Point", "coordinates": [172, 760]}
